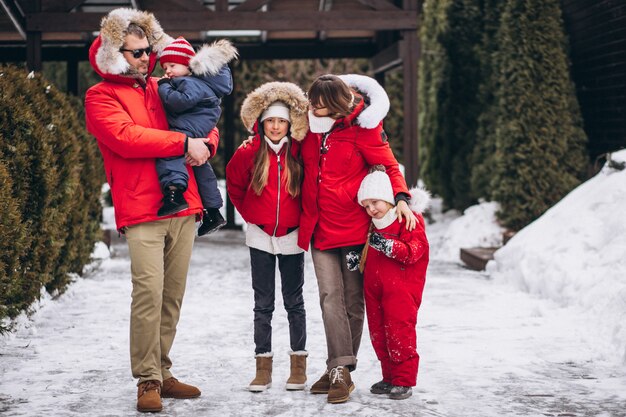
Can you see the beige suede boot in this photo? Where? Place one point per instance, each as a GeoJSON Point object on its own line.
{"type": "Point", "coordinates": [297, 378]}
{"type": "Point", "coordinates": [263, 379]}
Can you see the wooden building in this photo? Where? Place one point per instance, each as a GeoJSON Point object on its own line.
{"type": "Point", "coordinates": [597, 35]}
{"type": "Point", "coordinates": [384, 31]}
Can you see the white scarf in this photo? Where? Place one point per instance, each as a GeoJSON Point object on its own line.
{"type": "Point", "coordinates": [386, 220]}
{"type": "Point", "coordinates": [276, 147]}
{"type": "Point", "coordinates": [320, 124]}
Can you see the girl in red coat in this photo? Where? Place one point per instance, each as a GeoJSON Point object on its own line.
{"type": "Point", "coordinates": [264, 182]}
{"type": "Point", "coordinates": [395, 270]}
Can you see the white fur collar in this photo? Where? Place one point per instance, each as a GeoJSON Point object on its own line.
{"type": "Point", "coordinates": [379, 101]}
{"type": "Point", "coordinates": [211, 58]}
{"type": "Point", "coordinates": [386, 220]}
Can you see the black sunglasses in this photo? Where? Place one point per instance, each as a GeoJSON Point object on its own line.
{"type": "Point", "coordinates": [138, 53]}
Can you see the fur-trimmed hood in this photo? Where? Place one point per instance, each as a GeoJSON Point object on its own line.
{"type": "Point", "coordinates": [210, 58]}
{"type": "Point", "coordinates": [105, 55]}
{"type": "Point", "coordinates": [379, 104]}
{"type": "Point", "coordinates": [420, 199]}
{"type": "Point", "coordinates": [258, 100]}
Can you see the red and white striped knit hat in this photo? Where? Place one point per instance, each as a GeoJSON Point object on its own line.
{"type": "Point", "coordinates": [179, 51]}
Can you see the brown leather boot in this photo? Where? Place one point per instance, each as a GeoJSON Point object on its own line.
{"type": "Point", "coordinates": [322, 385]}
{"type": "Point", "coordinates": [173, 388]}
{"type": "Point", "coordinates": [340, 385]}
{"type": "Point", "coordinates": [297, 378]}
{"type": "Point", "coordinates": [149, 396]}
{"type": "Point", "coordinates": [263, 379]}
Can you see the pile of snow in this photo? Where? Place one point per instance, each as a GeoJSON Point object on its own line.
{"type": "Point", "coordinates": [476, 228]}
{"type": "Point", "coordinates": [575, 254]}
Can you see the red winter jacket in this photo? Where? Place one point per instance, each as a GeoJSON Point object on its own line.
{"type": "Point", "coordinates": [275, 210]}
{"type": "Point", "coordinates": [330, 210]}
{"type": "Point", "coordinates": [126, 117]}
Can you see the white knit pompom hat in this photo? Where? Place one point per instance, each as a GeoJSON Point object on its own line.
{"type": "Point", "coordinates": [276, 109]}
{"type": "Point", "coordinates": [376, 186]}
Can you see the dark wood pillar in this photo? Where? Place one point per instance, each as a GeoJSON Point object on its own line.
{"type": "Point", "coordinates": [228, 137]}
{"type": "Point", "coordinates": [410, 56]}
{"type": "Point", "coordinates": [33, 42]}
{"type": "Point", "coordinates": [72, 76]}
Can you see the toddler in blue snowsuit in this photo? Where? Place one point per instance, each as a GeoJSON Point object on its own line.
{"type": "Point", "coordinates": [191, 92]}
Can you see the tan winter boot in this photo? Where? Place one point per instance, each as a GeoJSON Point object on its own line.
{"type": "Point", "coordinates": [263, 379]}
{"type": "Point", "coordinates": [340, 385]}
{"type": "Point", "coordinates": [297, 378]}
{"type": "Point", "coordinates": [149, 396]}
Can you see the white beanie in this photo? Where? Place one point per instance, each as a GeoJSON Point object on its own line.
{"type": "Point", "coordinates": [276, 109]}
{"type": "Point", "coordinates": [376, 186]}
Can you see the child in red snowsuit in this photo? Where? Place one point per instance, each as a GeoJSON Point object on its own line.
{"type": "Point", "coordinates": [394, 273]}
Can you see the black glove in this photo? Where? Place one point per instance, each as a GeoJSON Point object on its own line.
{"type": "Point", "coordinates": [378, 242]}
{"type": "Point", "coordinates": [353, 259]}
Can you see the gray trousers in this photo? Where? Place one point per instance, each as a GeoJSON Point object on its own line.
{"type": "Point", "coordinates": [341, 300]}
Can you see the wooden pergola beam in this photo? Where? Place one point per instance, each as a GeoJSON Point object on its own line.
{"type": "Point", "coordinates": [250, 5]}
{"type": "Point", "coordinates": [60, 5]}
{"type": "Point", "coordinates": [276, 20]}
{"type": "Point", "coordinates": [387, 59]}
{"type": "Point", "coordinates": [14, 15]}
{"type": "Point", "coordinates": [379, 4]}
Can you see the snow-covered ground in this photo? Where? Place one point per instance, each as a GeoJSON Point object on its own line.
{"type": "Point", "coordinates": [536, 338]}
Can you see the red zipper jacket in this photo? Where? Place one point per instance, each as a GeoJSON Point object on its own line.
{"type": "Point", "coordinates": [275, 210]}
{"type": "Point", "coordinates": [126, 117]}
{"type": "Point", "coordinates": [330, 210]}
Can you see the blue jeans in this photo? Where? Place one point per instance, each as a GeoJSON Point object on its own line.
{"type": "Point", "coordinates": [263, 265]}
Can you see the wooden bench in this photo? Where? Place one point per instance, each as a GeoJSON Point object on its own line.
{"type": "Point", "coordinates": [477, 258]}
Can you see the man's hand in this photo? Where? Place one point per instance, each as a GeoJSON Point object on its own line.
{"type": "Point", "coordinates": [378, 242]}
{"type": "Point", "coordinates": [197, 151]}
{"type": "Point", "coordinates": [403, 211]}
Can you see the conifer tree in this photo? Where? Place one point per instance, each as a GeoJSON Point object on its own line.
{"type": "Point", "coordinates": [450, 76]}
{"type": "Point", "coordinates": [539, 141]}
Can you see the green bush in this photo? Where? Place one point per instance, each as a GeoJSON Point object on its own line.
{"type": "Point", "coordinates": [539, 141]}
{"type": "Point", "coordinates": [453, 66]}
{"type": "Point", "coordinates": [51, 178]}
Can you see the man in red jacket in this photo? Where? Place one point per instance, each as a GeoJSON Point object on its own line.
{"type": "Point", "coordinates": [125, 115]}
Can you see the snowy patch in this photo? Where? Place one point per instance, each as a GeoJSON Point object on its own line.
{"type": "Point", "coordinates": [575, 254]}
{"type": "Point", "coordinates": [476, 228]}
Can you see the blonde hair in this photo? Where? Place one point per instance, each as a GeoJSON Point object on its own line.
{"type": "Point", "coordinates": [260, 170]}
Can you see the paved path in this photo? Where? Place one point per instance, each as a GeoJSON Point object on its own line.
{"type": "Point", "coordinates": [487, 350]}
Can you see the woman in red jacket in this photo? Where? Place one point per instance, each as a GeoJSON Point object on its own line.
{"type": "Point", "coordinates": [264, 182]}
{"type": "Point", "coordinates": [346, 138]}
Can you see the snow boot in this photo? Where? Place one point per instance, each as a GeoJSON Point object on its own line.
{"type": "Point", "coordinates": [341, 385]}
{"type": "Point", "coordinates": [381, 387]}
{"type": "Point", "coordinates": [322, 385]}
{"type": "Point", "coordinates": [297, 378]}
{"type": "Point", "coordinates": [149, 397]}
{"type": "Point", "coordinates": [400, 393]}
{"type": "Point", "coordinates": [173, 201]}
{"type": "Point", "coordinates": [212, 221]}
{"type": "Point", "coordinates": [263, 378]}
{"type": "Point", "coordinates": [173, 388]}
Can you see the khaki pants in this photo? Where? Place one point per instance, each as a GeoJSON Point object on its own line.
{"type": "Point", "coordinates": [160, 252]}
{"type": "Point", "coordinates": [341, 300]}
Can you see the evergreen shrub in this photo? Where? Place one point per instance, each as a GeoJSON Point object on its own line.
{"type": "Point", "coordinates": [540, 152]}
{"type": "Point", "coordinates": [51, 175]}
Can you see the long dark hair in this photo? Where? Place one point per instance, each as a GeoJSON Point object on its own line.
{"type": "Point", "coordinates": [260, 171]}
